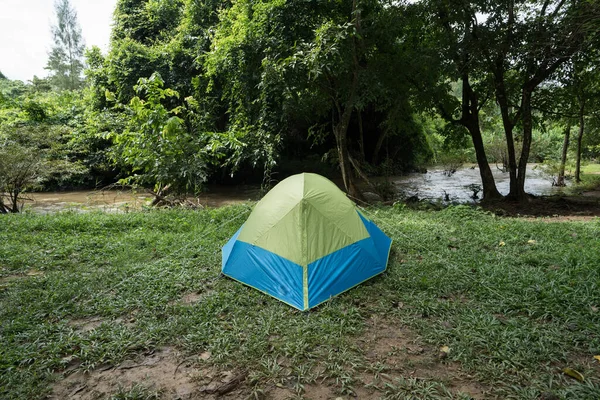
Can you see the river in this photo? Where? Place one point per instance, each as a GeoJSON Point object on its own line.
{"type": "Point", "coordinates": [433, 185]}
{"type": "Point", "coordinates": [125, 200]}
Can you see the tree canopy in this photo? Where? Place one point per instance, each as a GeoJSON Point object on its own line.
{"type": "Point", "coordinates": [65, 59]}
{"type": "Point", "coordinates": [191, 91]}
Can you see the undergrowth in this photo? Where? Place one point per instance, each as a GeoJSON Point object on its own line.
{"type": "Point", "coordinates": [515, 301]}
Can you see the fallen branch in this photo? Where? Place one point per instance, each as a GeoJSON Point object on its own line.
{"type": "Point", "coordinates": [229, 386]}
{"type": "Point", "coordinates": [226, 387]}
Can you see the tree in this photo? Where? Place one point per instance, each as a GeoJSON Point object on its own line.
{"type": "Point", "coordinates": [20, 168]}
{"type": "Point", "coordinates": [65, 61]}
{"type": "Point", "coordinates": [34, 152]}
{"type": "Point", "coordinates": [524, 43]}
{"type": "Point", "coordinates": [156, 145]}
{"type": "Point", "coordinates": [507, 49]}
{"type": "Point", "coordinates": [570, 99]}
{"type": "Point", "coordinates": [584, 84]}
{"type": "Point", "coordinates": [453, 32]}
{"type": "Point", "coordinates": [288, 70]}
{"type": "Point", "coordinates": [147, 37]}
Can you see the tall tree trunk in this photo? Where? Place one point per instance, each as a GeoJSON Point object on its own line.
{"type": "Point", "coordinates": [470, 104]}
{"type": "Point", "coordinates": [14, 198]}
{"type": "Point", "coordinates": [490, 192]}
{"type": "Point", "coordinates": [377, 149]}
{"type": "Point", "coordinates": [470, 119]}
{"type": "Point", "coordinates": [520, 194]}
{"type": "Point", "coordinates": [507, 123]}
{"type": "Point", "coordinates": [361, 137]}
{"type": "Point", "coordinates": [341, 138]}
{"type": "Point", "coordinates": [560, 181]}
{"type": "Point", "coordinates": [341, 129]}
{"type": "Point", "coordinates": [579, 139]}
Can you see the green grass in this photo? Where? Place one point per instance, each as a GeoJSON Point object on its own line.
{"type": "Point", "coordinates": [513, 313]}
{"type": "Point", "coordinates": [590, 179]}
{"type": "Point", "coordinates": [590, 169]}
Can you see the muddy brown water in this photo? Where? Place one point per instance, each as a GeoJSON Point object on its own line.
{"type": "Point", "coordinates": [124, 200]}
{"type": "Point", "coordinates": [434, 185]}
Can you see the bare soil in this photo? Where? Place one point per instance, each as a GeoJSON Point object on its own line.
{"type": "Point", "coordinates": [5, 281]}
{"type": "Point", "coordinates": [402, 354]}
{"type": "Point", "coordinates": [195, 297]}
{"type": "Point", "coordinates": [160, 370]}
{"type": "Point", "coordinates": [192, 298]}
{"type": "Point", "coordinates": [9, 278]}
{"type": "Point", "coordinates": [86, 324]}
{"type": "Point", "coordinates": [164, 370]}
{"type": "Point", "coordinates": [559, 208]}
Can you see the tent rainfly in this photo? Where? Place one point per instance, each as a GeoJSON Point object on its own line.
{"type": "Point", "coordinates": [304, 243]}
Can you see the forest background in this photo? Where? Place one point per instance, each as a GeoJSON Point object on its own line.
{"type": "Point", "coordinates": [193, 91]}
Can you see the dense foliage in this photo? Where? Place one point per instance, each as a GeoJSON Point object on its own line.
{"type": "Point", "coordinates": [192, 90]}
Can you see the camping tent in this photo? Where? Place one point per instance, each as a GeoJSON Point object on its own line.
{"type": "Point", "coordinates": [304, 243]}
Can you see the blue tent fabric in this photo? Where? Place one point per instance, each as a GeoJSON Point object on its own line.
{"type": "Point", "coordinates": [226, 251]}
{"type": "Point", "coordinates": [328, 276]}
{"type": "Point", "coordinates": [304, 243]}
{"type": "Point", "coordinates": [349, 266]}
{"type": "Point", "coordinates": [381, 241]}
{"type": "Point", "coordinates": [265, 271]}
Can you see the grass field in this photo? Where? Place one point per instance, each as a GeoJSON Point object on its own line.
{"type": "Point", "coordinates": [132, 306]}
{"type": "Point", "coordinates": [590, 169]}
{"type": "Point", "coordinates": [590, 177]}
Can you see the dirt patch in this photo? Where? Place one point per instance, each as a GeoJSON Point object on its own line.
{"type": "Point", "coordinates": [160, 371]}
{"type": "Point", "coordinates": [6, 280]}
{"type": "Point", "coordinates": [592, 193]}
{"type": "Point", "coordinates": [280, 394]}
{"type": "Point", "coordinates": [90, 323]}
{"type": "Point", "coordinates": [393, 351]}
{"type": "Point", "coordinates": [584, 207]}
{"type": "Point", "coordinates": [584, 363]}
{"type": "Point", "coordinates": [191, 298]}
{"type": "Point", "coordinates": [322, 391]}
{"type": "Point", "coordinates": [128, 321]}
{"type": "Point", "coordinates": [86, 324]}
{"type": "Point", "coordinates": [163, 370]}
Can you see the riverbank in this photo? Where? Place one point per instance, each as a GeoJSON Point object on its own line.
{"type": "Point", "coordinates": [431, 187]}
{"type": "Point", "coordinates": [115, 200]}
{"type": "Point", "coordinates": [133, 306]}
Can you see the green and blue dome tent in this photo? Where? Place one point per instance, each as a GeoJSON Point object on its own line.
{"type": "Point", "coordinates": [304, 243]}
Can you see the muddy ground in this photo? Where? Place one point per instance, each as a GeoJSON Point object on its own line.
{"type": "Point", "coordinates": [393, 354]}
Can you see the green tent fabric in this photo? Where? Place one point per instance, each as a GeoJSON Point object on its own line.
{"type": "Point", "coordinates": [309, 211]}
{"type": "Point", "coordinates": [305, 242]}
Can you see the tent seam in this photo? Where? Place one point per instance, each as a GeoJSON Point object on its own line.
{"type": "Point", "coordinates": [271, 227]}
{"type": "Point", "coordinates": [339, 229]}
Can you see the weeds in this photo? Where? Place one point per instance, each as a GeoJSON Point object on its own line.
{"type": "Point", "coordinates": [515, 301]}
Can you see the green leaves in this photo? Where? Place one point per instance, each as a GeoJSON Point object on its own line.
{"type": "Point", "coordinates": [156, 144]}
{"type": "Point", "coordinates": [65, 60]}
